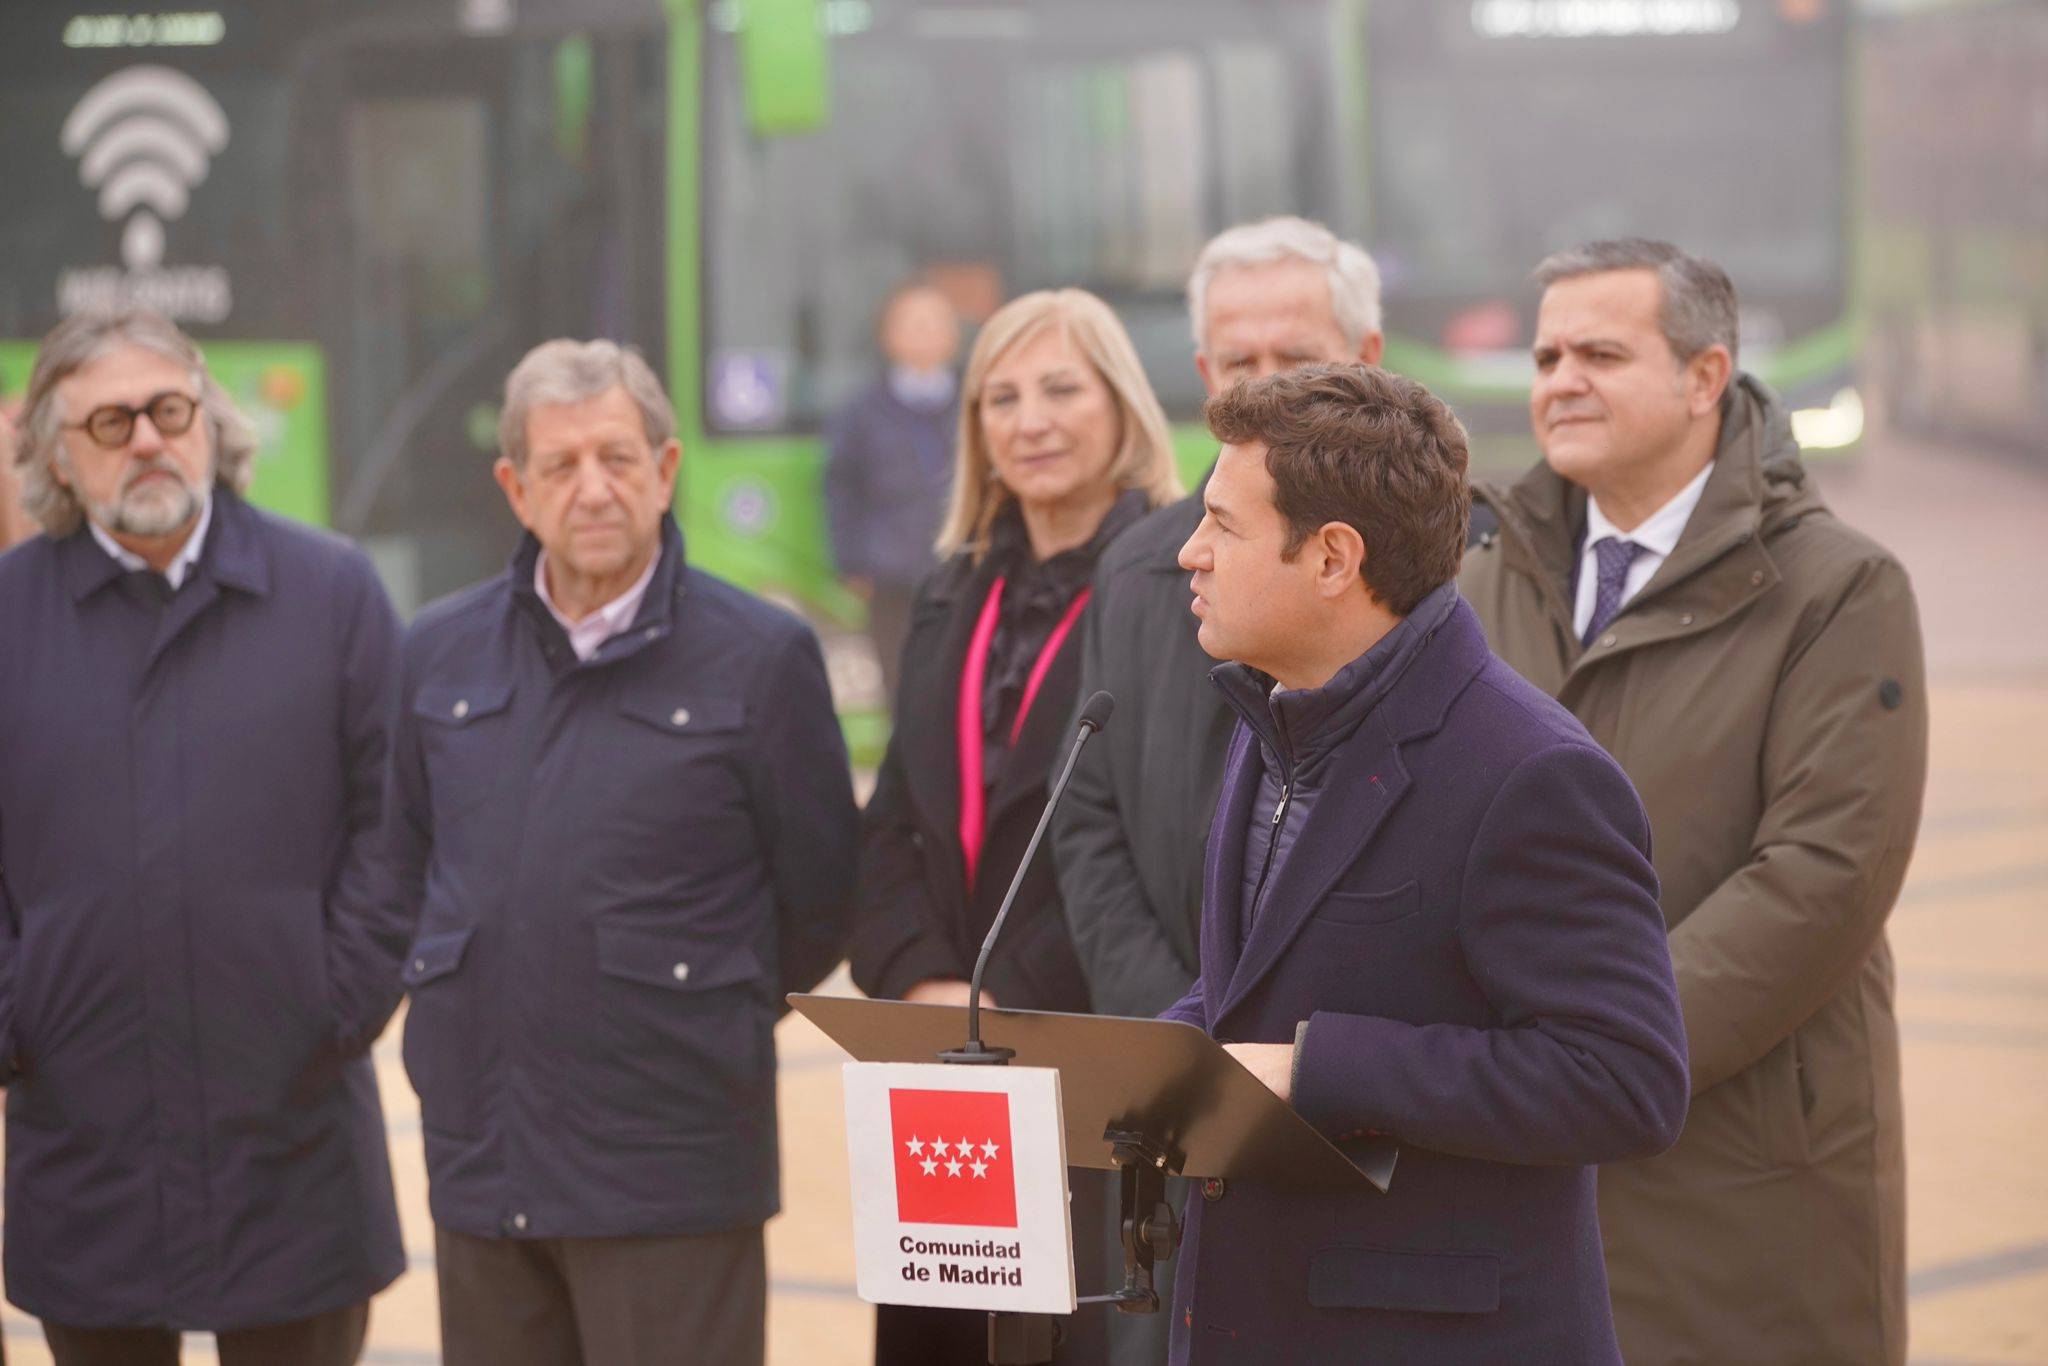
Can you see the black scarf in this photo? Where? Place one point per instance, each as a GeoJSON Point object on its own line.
{"type": "Point", "coordinates": [1036, 594]}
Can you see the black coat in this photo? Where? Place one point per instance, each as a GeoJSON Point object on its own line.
{"type": "Point", "coordinates": [618, 865]}
{"type": "Point", "coordinates": [192, 960]}
{"type": "Point", "coordinates": [915, 918]}
{"type": "Point", "coordinates": [1128, 838]}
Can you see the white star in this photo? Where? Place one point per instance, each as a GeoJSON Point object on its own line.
{"type": "Point", "coordinates": [939, 1146]}
{"type": "Point", "coordinates": [931, 1168]}
{"type": "Point", "coordinates": [989, 1151]}
{"type": "Point", "coordinates": [916, 1146]}
{"type": "Point", "coordinates": [952, 1169]}
{"type": "Point", "coordinates": [980, 1168]}
{"type": "Point", "coordinates": [964, 1148]}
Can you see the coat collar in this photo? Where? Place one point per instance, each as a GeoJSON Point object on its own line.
{"type": "Point", "coordinates": [1302, 728]}
{"type": "Point", "coordinates": [1365, 781]}
{"type": "Point", "coordinates": [232, 555]}
{"type": "Point", "coordinates": [654, 621]}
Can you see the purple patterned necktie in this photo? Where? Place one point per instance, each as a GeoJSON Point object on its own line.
{"type": "Point", "coordinates": [1612, 557]}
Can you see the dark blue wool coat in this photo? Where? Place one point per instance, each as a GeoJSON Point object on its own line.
{"type": "Point", "coordinates": [189, 799]}
{"type": "Point", "coordinates": [618, 866]}
{"type": "Point", "coordinates": [1468, 922]}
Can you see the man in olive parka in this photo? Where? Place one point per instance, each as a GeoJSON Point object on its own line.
{"type": "Point", "coordinates": [1671, 575]}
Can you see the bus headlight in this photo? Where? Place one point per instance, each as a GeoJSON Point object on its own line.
{"type": "Point", "coordinates": [1833, 427]}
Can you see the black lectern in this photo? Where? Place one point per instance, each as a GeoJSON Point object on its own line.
{"type": "Point", "coordinates": [1146, 1098]}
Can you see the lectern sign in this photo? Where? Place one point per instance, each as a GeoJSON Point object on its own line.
{"type": "Point", "coordinates": [959, 1186]}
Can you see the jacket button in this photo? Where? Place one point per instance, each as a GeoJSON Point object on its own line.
{"type": "Point", "coordinates": [419, 965]}
{"type": "Point", "coordinates": [461, 709]}
{"type": "Point", "coordinates": [1756, 578]}
{"type": "Point", "coordinates": [650, 633]}
{"type": "Point", "coordinates": [516, 1224]}
{"type": "Point", "coordinates": [1213, 1189]}
{"type": "Point", "coordinates": [681, 716]}
{"type": "Point", "coordinates": [1607, 639]}
{"type": "Point", "coordinates": [1685, 620]}
{"type": "Point", "coordinates": [681, 971]}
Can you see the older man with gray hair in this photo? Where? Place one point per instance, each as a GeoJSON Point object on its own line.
{"type": "Point", "coordinates": [194, 957]}
{"type": "Point", "coordinates": [623, 822]}
{"type": "Point", "coordinates": [1263, 297]}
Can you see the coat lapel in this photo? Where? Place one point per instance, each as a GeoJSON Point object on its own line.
{"type": "Point", "coordinates": [1223, 868]}
{"type": "Point", "coordinates": [1367, 781]}
{"type": "Point", "coordinates": [930, 692]}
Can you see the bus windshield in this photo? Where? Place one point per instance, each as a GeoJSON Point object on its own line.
{"type": "Point", "coordinates": [1008, 147]}
{"type": "Point", "coordinates": [1499, 136]}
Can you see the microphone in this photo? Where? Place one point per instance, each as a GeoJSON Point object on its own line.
{"type": "Point", "coordinates": [1094, 715]}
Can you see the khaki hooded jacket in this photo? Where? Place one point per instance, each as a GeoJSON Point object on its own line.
{"type": "Point", "coordinates": [1766, 694]}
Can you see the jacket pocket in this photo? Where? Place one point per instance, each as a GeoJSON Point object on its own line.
{"type": "Point", "coordinates": [1369, 908]}
{"type": "Point", "coordinates": [676, 769]}
{"type": "Point", "coordinates": [684, 1032]}
{"type": "Point", "coordinates": [1782, 1105]}
{"type": "Point", "coordinates": [679, 715]}
{"type": "Point", "coordinates": [1343, 1277]}
{"type": "Point", "coordinates": [461, 745]}
{"type": "Point", "coordinates": [440, 1046]}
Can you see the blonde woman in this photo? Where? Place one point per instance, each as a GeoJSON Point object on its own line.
{"type": "Point", "coordinates": [1062, 445]}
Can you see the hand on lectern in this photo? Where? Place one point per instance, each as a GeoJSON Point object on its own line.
{"type": "Point", "coordinates": [1271, 1063]}
{"type": "Point", "coordinates": [939, 991]}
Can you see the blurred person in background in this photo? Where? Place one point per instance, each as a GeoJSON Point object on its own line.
{"type": "Point", "coordinates": [1062, 446]}
{"type": "Point", "coordinates": [623, 822]}
{"type": "Point", "coordinates": [1670, 574]}
{"type": "Point", "coordinates": [193, 962]}
{"type": "Point", "coordinates": [1263, 297]}
{"type": "Point", "coordinates": [890, 458]}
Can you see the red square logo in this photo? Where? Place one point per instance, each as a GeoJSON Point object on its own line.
{"type": "Point", "coordinates": [953, 1163]}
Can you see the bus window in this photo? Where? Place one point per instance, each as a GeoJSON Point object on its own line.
{"type": "Point", "coordinates": [1050, 145]}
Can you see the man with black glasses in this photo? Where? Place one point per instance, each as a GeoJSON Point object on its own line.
{"type": "Point", "coordinates": [191, 750]}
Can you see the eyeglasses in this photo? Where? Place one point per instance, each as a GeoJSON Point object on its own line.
{"type": "Point", "coordinates": [171, 413]}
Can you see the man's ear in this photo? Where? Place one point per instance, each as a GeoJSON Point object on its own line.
{"type": "Point", "coordinates": [1706, 378]}
{"type": "Point", "coordinates": [1341, 562]}
{"type": "Point", "coordinates": [507, 475]}
{"type": "Point", "coordinates": [1374, 347]}
{"type": "Point", "coordinates": [1202, 369]}
{"type": "Point", "coordinates": [668, 460]}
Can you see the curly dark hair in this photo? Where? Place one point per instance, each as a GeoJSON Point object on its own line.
{"type": "Point", "coordinates": [1373, 450]}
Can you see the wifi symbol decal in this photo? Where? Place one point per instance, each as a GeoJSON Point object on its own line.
{"type": "Point", "coordinates": [144, 137]}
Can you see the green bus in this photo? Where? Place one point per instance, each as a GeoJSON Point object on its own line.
{"type": "Point", "coordinates": [369, 209]}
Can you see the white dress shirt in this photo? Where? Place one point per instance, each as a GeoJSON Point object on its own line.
{"type": "Point", "coordinates": [607, 621]}
{"type": "Point", "coordinates": [181, 563]}
{"type": "Point", "coordinates": [1658, 536]}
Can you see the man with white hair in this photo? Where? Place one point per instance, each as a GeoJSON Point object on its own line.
{"type": "Point", "coordinates": [623, 820]}
{"type": "Point", "coordinates": [194, 958]}
{"type": "Point", "coordinates": [1264, 297]}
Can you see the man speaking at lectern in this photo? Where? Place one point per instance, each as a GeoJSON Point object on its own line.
{"type": "Point", "coordinates": [1428, 913]}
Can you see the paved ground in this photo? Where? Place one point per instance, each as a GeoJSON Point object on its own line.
{"type": "Point", "coordinates": [1971, 937]}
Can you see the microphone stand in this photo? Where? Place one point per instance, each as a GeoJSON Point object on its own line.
{"type": "Point", "coordinates": [1022, 1339]}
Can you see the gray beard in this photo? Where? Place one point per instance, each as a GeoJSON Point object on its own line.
{"type": "Point", "coordinates": [152, 514]}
